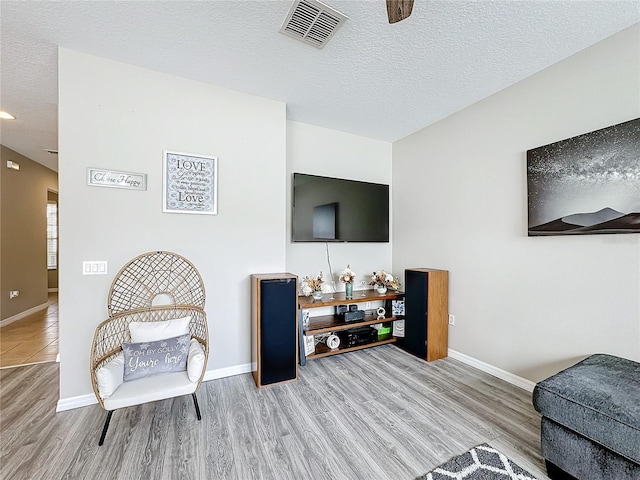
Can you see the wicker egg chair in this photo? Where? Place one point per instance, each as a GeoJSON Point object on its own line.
{"type": "Point", "coordinates": [153, 287]}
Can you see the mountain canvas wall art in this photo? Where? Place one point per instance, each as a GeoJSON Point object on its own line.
{"type": "Point", "coordinates": [587, 184]}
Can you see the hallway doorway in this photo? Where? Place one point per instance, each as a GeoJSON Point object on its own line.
{"type": "Point", "coordinates": [32, 339]}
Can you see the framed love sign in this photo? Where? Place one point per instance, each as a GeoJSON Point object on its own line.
{"type": "Point", "coordinates": [190, 183]}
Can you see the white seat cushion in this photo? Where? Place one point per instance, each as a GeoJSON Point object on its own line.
{"type": "Point", "coordinates": [195, 362]}
{"type": "Point", "coordinates": [152, 331]}
{"type": "Point", "coordinates": [110, 376]}
{"type": "Point", "coordinates": [150, 389]}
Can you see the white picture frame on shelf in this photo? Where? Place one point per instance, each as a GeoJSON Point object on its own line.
{"type": "Point", "coordinates": [309, 345]}
{"type": "Point", "coordinates": [189, 183]}
{"type": "Point", "coordinates": [398, 328]}
{"type": "Point", "coordinates": [397, 307]}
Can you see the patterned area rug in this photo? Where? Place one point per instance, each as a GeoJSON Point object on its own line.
{"type": "Point", "coordinates": [480, 463]}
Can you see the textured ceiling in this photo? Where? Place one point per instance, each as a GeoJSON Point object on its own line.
{"type": "Point", "coordinates": [372, 79]}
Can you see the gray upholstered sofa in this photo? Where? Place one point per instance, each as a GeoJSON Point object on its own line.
{"type": "Point", "coordinates": [591, 420]}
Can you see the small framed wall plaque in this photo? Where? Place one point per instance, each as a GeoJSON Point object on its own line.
{"type": "Point", "coordinates": [190, 183]}
{"type": "Point", "coordinates": [101, 177]}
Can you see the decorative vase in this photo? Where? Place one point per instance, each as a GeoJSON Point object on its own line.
{"type": "Point", "coordinates": [317, 294]}
{"type": "Point", "coordinates": [381, 289]}
{"type": "Point", "coordinates": [348, 290]}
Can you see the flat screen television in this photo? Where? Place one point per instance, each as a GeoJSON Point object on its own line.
{"type": "Point", "coordinates": [327, 209]}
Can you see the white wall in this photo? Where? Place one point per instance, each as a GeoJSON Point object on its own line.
{"type": "Point", "coordinates": [529, 306]}
{"type": "Point", "coordinates": [120, 117]}
{"type": "Point", "coordinates": [526, 305]}
{"type": "Point", "coordinates": [321, 151]}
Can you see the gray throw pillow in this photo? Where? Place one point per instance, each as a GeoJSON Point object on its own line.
{"type": "Point", "coordinates": [152, 358]}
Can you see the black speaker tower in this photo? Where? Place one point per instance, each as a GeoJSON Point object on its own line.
{"type": "Point", "coordinates": [274, 333]}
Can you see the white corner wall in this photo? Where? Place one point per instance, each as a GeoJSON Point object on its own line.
{"type": "Point", "coordinates": [331, 153]}
{"type": "Point", "coordinates": [529, 306]}
{"type": "Point", "coordinates": [121, 117]}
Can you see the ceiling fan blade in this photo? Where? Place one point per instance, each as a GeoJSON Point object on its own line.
{"type": "Point", "coordinates": [398, 9]}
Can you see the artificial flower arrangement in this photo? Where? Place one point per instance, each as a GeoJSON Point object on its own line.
{"type": "Point", "coordinates": [395, 284]}
{"type": "Point", "coordinates": [384, 279]}
{"type": "Point", "coordinates": [347, 275]}
{"type": "Point", "coordinates": [310, 285]}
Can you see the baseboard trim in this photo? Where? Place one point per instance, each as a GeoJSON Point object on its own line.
{"type": "Point", "coordinates": [26, 313]}
{"type": "Point", "coordinates": [495, 371]}
{"type": "Point", "coordinates": [226, 372]}
{"type": "Point", "coordinates": [76, 402]}
{"type": "Point", "coordinates": [90, 398]}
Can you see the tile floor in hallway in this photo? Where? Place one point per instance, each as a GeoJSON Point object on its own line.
{"type": "Point", "coordinates": [32, 339]}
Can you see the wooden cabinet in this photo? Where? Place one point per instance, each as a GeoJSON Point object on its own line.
{"type": "Point", "coordinates": [274, 328]}
{"type": "Point", "coordinates": [324, 324]}
{"type": "Point", "coordinates": [426, 313]}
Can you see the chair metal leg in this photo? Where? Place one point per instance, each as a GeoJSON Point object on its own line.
{"type": "Point", "coordinates": [105, 428]}
{"type": "Point", "coordinates": [195, 402]}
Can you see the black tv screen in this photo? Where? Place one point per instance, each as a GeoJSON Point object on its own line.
{"type": "Point", "coordinates": [329, 209]}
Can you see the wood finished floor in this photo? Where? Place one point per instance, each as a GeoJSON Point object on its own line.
{"type": "Point", "coordinates": [375, 414]}
{"type": "Point", "coordinates": [32, 339]}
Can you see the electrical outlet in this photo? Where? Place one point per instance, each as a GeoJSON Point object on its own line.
{"type": "Point", "coordinates": [452, 319]}
{"type": "Point", "coordinates": [13, 294]}
{"type": "Point", "coordinates": [367, 306]}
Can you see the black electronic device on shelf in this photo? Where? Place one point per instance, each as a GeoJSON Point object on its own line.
{"type": "Point", "coordinates": [350, 313]}
{"type": "Point", "coordinates": [357, 336]}
{"type": "Point", "coordinates": [353, 316]}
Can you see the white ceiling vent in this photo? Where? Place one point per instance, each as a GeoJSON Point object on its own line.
{"type": "Point", "coordinates": [312, 22]}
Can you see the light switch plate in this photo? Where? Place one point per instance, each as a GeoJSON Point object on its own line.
{"type": "Point", "coordinates": [94, 267]}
